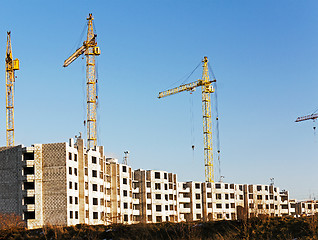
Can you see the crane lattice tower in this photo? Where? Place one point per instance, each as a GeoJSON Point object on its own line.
{"type": "Point", "coordinates": [11, 66]}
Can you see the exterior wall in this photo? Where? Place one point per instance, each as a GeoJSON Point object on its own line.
{"type": "Point", "coordinates": [73, 181]}
{"type": "Point", "coordinates": [125, 196]}
{"type": "Point", "coordinates": [157, 196]}
{"type": "Point", "coordinates": [138, 180]}
{"type": "Point", "coordinates": [307, 207]}
{"type": "Point", "coordinates": [107, 192]}
{"type": "Point", "coordinates": [140, 196]}
{"type": "Point", "coordinates": [209, 201]}
{"type": "Point", "coordinates": [66, 184]}
{"type": "Point", "coordinates": [35, 153]}
{"type": "Point", "coordinates": [81, 177]}
{"type": "Point", "coordinates": [190, 201]}
{"type": "Point", "coordinates": [121, 192]}
{"type": "Point", "coordinates": [223, 198]}
{"type": "Point", "coordinates": [284, 203]}
{"type": "Point", "coordinates": [263, 199]}
{"type": "Point", "coordinates": [184, 201]}
{"type": "Point", "coordinates": [94, 193]}
{"type": "Point", "coordinates": [54, 187]}
{"type": "Point", "coordinates": [11, 187]}
{"type": "Point", "coordinates": [292, 205]}
{"type": "Point", "coordinates": [224, 201]}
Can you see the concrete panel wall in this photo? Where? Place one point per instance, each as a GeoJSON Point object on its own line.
{"type": "Point", "coordinates": [54, 184]}
{"type": "Point", "coordinates": [11, 180]}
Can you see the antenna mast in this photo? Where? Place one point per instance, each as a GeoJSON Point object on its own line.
{"type": "Point", "coordinates": [126, 157]}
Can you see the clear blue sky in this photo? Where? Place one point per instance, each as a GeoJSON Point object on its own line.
{"type": "Point", "coordinates": [263, 53]}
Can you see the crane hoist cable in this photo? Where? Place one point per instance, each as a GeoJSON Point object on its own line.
{"type": "Point", "coordinates": [192, 133]}
{"type": "Point", "coordinates": [79, 42]}
{"type": "Point", "coordinates": [185, 77]}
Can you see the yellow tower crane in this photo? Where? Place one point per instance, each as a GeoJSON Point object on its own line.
{"type": "Point", "coordinates": [207, 89]}
{"type": "Point", "coordinates": [11, 66]}
{"type": "Point", "coordinates": [90, 49]}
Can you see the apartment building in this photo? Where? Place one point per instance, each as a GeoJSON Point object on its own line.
{"type": "Point", "coordinates": [263, 200]}
{"type": "Point", "coordinates": [190, 201]}
{"type": "Point", "coordinates": [292, 205]}
{"type": "Point", "coordinates": [57, 183]}
{"type": "Point", "coordinates": [67, 184]}
{"type": "Point", "coordinates": [121, 194]}
{"type": "Point", "coordinates": [157, 195]}
{"type": "Point", "coordinates": [224, 200]}
{"type": "Point", "coordinates": [284, 203]}
{"type": "Point", "coordinates": [306, 207]}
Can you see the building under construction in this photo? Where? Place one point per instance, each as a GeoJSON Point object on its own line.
{"type": "Point", "coordinates": [68, 184]}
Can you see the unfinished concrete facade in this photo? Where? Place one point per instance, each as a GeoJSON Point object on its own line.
{"type": "Point", "coordinates": [303, 208]}
{"type": "Point", "coordinates": [122, 204]}
{"type": "Point", "coordinates": [51, 184]}
{"type": "Point", "coordinates": [157, 195]}
{"type": "Point", "coordinates": [224, 201]}
{"type": "Point", "coordinates": [67, 184]}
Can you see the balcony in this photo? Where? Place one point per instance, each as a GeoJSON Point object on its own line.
{"type": "Point", "coordinates": [184, 210]}
{"type": "Point", "coordinates": [29, 208]}
{"type": "Point", "coordinates": [28, 178]}
{"type": "Point", "coordinates": [136, 212]}
{"type": "Point", "coordinates": [28, 193]}
{"type": "Point", "coordinates": [186, 190]}
{"type": "Point", "coordinates": [184, 200]}
{"type": "Point", "coordinates": [28, 163]}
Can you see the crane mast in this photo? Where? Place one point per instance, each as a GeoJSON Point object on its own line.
{"type": "Point", "coordinates": [90, 49]}
{"type": "Point", "coordinates": [207, 89]}
{"type": "Point", "coordinates": [11, 66]}
{"type": "Point", "coordinates": [207, 122]}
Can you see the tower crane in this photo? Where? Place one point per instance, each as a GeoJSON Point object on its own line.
{"type": "Point", "coordinates": [90, 49]}
{"type": "Point", "coordinates": [11, 66]}
{"type": "Point", "coordinates": [308, 117]}
{"type": "Point", "coordinates": [207, 89]}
